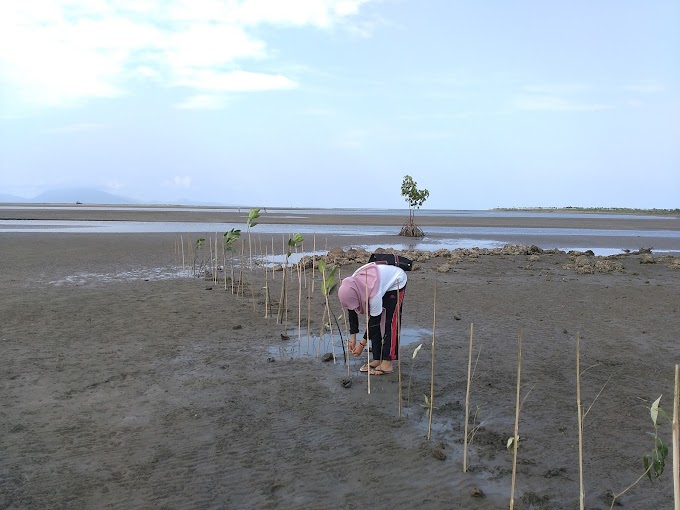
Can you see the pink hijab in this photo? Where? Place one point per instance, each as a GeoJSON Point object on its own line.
{"type": "Point", "coordinates": [354, 289]}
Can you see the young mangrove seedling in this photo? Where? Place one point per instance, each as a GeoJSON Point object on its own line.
{"type": "Point", "coordinates": [655, 462]}
{"type": "Point", "coordinates": [327, 285]}
{"type": "Point", "coordinates": [229, 239]}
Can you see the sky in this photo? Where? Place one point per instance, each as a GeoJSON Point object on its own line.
{"type": "Point", "coordinates": [330, 103]}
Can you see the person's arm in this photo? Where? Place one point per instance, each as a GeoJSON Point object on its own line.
{"type": "Point", "coordinates": [353, 330]}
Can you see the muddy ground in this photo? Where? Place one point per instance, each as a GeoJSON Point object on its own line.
{"type": "Point", "coordinates": [126, 382]}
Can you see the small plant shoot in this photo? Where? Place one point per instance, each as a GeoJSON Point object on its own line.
{"type": "Point", "coordinates": [654, 463]}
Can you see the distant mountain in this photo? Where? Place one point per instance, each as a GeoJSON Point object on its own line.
{"type": "Point", "coordinates": [82, 195]}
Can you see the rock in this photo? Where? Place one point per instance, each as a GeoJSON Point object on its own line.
{"type": "Point", "coordinates": [582, 261]}
{"type": "Point", "coordinates": [346, 383]}
{"type": "Point", "coordinates": [238, 326]}
{"type": "Point", "coordinates": [476, 492]}
{"type": "Point", "coordinates": [439, 454]}
{"type": "Point", "coordinates": [444, 268]}
{"type": "Point", "coordinates": [533, 258]}
{"type": "Point", "coordinates": [646, 258]}
{"type": "Point", "coordinates": [327, 357]}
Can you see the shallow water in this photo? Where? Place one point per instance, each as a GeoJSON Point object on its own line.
{"type": "Point", "coordinates": [449, 238]}
{"type": "Point", "coordinates": [299, 344]}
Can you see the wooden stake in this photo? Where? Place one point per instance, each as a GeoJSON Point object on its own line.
{"type": "Point", "coordinates": [581, 494]}
{"type": "Point", "coordinates": [368, 350]}
{"type": "Point", "coordinates": [467, 401]}
{"type": "Point", "coordinates": [434, 324]}
{"type": "Point", "coordinates": [676, 440]}
{"type": "Point", "coordinates": [181, 241]}
{"type": "Point", "coordinates": [299, 272]}
{"type": "Point", "coordinates": [398, 337]}
{"type": "Point", "coordinates": [517, 406]}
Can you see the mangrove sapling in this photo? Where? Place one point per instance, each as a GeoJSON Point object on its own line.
{"type": "Point", "coordinates": [294, 240]}
{"type": "Point", "coordinates": [656, 462]}
{"type": "Point", "coordinates": [410, 377]}
{"type": "Point", "coordinates": [200, 244]}
{"type": "Point", "coordinates": [228, 240]}
{"type": "Point", "coordinates": [582, 416]}
{"type": "Point", "coordinates": [253, 215]}
{"type": "Point", "coordinates": [327, 285]}
{"type": "Point", "coordinates": [514, 440]}
{"type": "Point", "coordinates": [467, 400]}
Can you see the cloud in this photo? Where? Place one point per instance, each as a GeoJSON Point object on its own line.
{"type": "Point", "coordinates": [60, 53]}
{"type": "Point", "coordinates": [177, 181]}
{"type": "Point", "coordinates": [234, 81]}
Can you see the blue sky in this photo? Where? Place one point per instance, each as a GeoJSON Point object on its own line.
{"type": "Point", "coordinates": [329, 103]}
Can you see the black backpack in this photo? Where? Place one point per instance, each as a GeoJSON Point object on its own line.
{"type": "Point", "coordinates": [392, 260]}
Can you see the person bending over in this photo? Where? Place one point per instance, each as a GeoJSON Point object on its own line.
{"type": "Point", "coordinates": [382, 287]}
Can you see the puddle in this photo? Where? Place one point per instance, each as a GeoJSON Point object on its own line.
{"type": "Point", "coordinates": [303, 345]}
{"type": "Point", "coordinates": [157, 273]}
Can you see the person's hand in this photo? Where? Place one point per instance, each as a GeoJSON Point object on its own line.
{"type": "Point", "coordinates": [358, 349]}
{"type": "Point", "coordinates": [352, 343]}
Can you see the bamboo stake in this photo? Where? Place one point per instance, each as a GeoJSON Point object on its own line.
{"type": "Point", "coordinates": [368, 350]}
{"type": "Point", "coordinates": [252, 278]}
{"type": "Point", "coordinates": [181, 241]}
{"type": "Point", "coordinates": [299, 272]}
{"type": "Point", "coordinates": [240, 278]}
{"type": "Point", "coordinates": [266, 286]}
{"type": "Point", "coordinates": [676, 440]}
{"type": "Point", "coordinates": [467, 400]}
{"type": "Point", "coordinates": [434, 324]}
{"type": "Point", "coordinates": [398, 336]}
{"type": "Point", "coordinates": [313, 261]}
{"type": "Point", "coordinates": [582, 494]}
{"type": "Point", "coordinates": [309, 314]}
{"type": "Point", "coordinates": [516, 436]}
{"type": "Point", "coordinates": [212, 269]}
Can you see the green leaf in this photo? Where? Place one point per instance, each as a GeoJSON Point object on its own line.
{"type": "Point", "coordinates": [252, 216]}
{"type": "Point", "coordinates": [328, 282]}
{"type": "Point", "coordinates": [654, 410]}
{"type": "Point", "coordinates": [321, 265]}
{"type": "Point", "coordinates": [200, 243]}
{"type": "Point", "coordinates": [413, 356]}
{"type": "Point", "coordinates": [511, 442]}
{"type": "Point", "coordinates": [645, 461]}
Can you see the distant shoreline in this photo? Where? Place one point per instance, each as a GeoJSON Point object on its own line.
{"type": "Point", "coordinates": [610, 210]}
{"type": "Point", "coordinates": [540, 209]}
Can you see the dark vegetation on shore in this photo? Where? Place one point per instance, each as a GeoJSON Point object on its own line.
{"type": "Point", "coordinates": [617, 210]}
